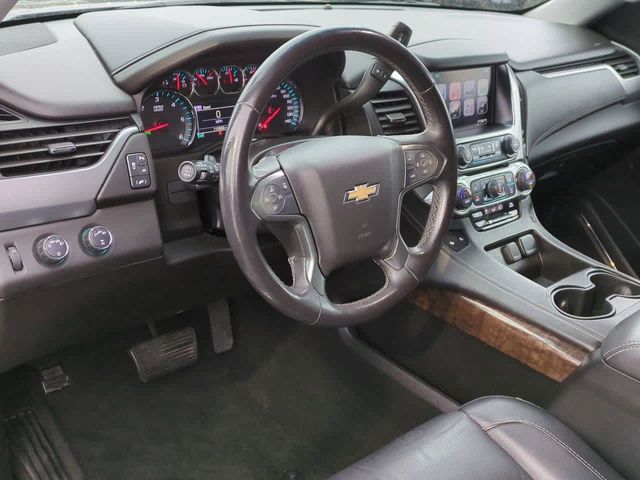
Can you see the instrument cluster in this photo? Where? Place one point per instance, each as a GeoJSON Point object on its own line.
{"type": "Point", "coordinates": [190, 104]}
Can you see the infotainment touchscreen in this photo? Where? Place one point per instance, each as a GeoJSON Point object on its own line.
{"type": "Point", "coordinates": [468, 95]}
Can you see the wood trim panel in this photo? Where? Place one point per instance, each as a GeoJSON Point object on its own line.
{"type": "Point", "coordinates": [528, 343]}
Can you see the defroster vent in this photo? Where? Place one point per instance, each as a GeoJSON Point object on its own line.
{"type": "Point", "coordinates": [60, 147]}
{"type": "Point", "coordinates": [396, 113]}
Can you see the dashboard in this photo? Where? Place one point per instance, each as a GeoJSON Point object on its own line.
{"type": "Point", "coordinates": [164, 94]}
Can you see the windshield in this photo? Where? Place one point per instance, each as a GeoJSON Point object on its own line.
{"type": "Point", "coordinates": [28, 8]}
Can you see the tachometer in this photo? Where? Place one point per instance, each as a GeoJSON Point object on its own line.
{"type": "Point", "coordinates": [283, 113]}
{"type": "Point", "coordinates": [231, 79]}
{"type": "Point", "coordinates": [205, 81]}
{"type": "Point", "coordinates": [179, 81]}
{"type": "Point", "coordinates": [169, 120]}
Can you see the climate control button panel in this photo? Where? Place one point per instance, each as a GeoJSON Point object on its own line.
{"type": "Point", "coordinates": [494, 192]}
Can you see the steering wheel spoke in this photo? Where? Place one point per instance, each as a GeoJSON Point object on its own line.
{"type": "Point", "coordinates": [423, 161]}
{"type": "Point", "coordinates": [272, 198]}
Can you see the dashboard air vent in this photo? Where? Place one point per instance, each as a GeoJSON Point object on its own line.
{"type": "Point", "coordinates": [54, 148]}
{"type": "Point", "coordinates": [623, 63]}
{"type": "Point", "coordinates": [7, 116]}
{"type": "Point", "coordinates": [396, 113]}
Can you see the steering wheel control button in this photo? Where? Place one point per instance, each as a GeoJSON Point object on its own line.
{"type": "Point", "coordinates": [139, 173]}
{"type": "Point", "coordinates": [52, 249]}
{"type": "Point", "coordinates": [511, 253]}
{"type": "Point", "coordinates": [420, 165]}
{"type": "Point", "coordinates": [277, 199]}
{"type": "Point", "coordinates": [96, 240]}
{"type": "Point", "coordinates": [14, 258]}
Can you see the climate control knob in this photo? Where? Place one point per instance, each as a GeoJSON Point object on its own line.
{"type": "Point", "coordinates": [463, 197]}
{"type": "Point", "coordinates": [96, 240]}
{"type": "Point", "coordinates": [52, 249]}
{"type": "Point", "coordinates": [511, 145]}
{"type": "Point", "coordinates": [525, 179]}
{"type": "Point", "coordinates": [496, 187]}
{"type": "Point", "coordinates": [464, 156]}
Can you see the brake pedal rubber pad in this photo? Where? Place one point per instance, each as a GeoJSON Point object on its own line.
{"type": "Point", "coordinates": [165, 354]}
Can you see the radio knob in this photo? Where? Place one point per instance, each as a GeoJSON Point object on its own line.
{"type": "Point", "coordinates": [96, 240]}
{"type": "Point", "coordinates": [52, 249]}
{"type": "Point", "coordinates": [464, 156]}
{"type": "Point", "coordinates": [496, 187]}
{"type": "Point", "coordinates": [511, 145]}
{"type": "Point", "coordinates": [463, 197]}
{"type": "Point", "coordinates": [525, 179]}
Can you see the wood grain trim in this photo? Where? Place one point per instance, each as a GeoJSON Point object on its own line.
{"type": "Point", "coordinates": [539, 349]}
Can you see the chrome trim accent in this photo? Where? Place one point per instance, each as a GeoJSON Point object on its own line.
{"type": "Point", "coordinates": [596, 241]}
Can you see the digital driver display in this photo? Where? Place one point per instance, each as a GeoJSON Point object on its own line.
{"type": "Point", "coordinates": [467, 95]}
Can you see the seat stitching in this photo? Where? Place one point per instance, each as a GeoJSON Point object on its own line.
{"type": "Point", "coordinates": [620, 349]}
{"type": "Point", "coordinates": [547, 432]}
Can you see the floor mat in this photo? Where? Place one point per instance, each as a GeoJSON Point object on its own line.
{"type": "Point", "coordinates": [286, 399]}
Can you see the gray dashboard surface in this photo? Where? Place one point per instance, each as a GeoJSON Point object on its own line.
{"type": "Point", "coordinates": [122, 36]}
{"type": "Point", "coordinates": [64, 79]}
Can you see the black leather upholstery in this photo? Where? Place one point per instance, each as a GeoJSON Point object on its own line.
{"type": "Point", "coordinates": [621, 348]}
{"type": "Point", "coordinates": [493, 438]}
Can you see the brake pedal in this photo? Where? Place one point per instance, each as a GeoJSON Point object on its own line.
{"type": "Point", "coordinates": [165, 354]}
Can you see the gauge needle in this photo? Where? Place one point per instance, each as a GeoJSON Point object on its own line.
{"type": "Point", "coordinates": [267, 120]}
{"type": "Point", "coordinates": [157, 127]}
{"type": "Point", "coordinates": [177, 81]}
{"type": "Point", "coordinates": [202, 79]}
{"type": "Point", "coordinates": [230, 76]}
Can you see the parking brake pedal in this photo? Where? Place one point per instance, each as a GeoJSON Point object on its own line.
{"type": "Point", "coordinates": [165, 354]}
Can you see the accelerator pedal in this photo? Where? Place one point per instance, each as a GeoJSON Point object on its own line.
{"type": "Point", "coordinates": [165, 354]}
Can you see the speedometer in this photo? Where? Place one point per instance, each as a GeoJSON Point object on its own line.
{"type": "Point", "coordinates": [169, 120]}
{"type": "Point", "coordinates": [283, 113]}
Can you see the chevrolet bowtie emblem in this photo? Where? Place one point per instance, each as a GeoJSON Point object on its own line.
{"type": "Point", "coordinates": [361, 193]}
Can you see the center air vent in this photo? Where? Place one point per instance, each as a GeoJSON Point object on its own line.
{"type": "Point", "coordinates": [396, 113]}
{"type": "Point", "coordinates": [54, 148]}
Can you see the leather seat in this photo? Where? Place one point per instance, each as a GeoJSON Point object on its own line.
{"type": "Point", "coordinates": [492, 438]}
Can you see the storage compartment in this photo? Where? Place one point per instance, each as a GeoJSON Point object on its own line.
{"type": "Point", "coordinates": [537, 259]}
{"type": "Point", "coordinates": [598, 300]}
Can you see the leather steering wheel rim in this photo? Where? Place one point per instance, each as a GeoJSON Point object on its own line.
{"type": "Point", "coordinates": [243, 186]}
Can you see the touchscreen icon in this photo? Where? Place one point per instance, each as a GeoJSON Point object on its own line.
{"type": "Point", "coordinates": [470, 88]}
{"type": "Point", "coordinates": [442, 88]}
{"type": "Point", "coordinates": [455, 91]}
{"type": "Point", "coordinates": [483, 87]}
{"type": "Point", "coordinates": [483, 105]}
{"type": "Point", "coordinates": [454, 109]}
{"type": "Point", "coordinates": [469, 107]}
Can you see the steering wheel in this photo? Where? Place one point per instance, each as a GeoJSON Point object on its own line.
{"type": "Point", "coordinates": [336, 200]}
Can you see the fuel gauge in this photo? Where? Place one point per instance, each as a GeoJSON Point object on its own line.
{"type": "Point", "coordinates": [179, 81]}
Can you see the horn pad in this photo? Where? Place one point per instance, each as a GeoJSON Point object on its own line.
{"type": "Point", "coordinates": [348, 188]}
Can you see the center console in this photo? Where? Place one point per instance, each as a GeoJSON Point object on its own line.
{"type": "Point", "coordinates": [497, 251]}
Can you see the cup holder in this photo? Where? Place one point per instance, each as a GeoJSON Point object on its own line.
{"type": "Point", "coordinates": [594, 301]}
